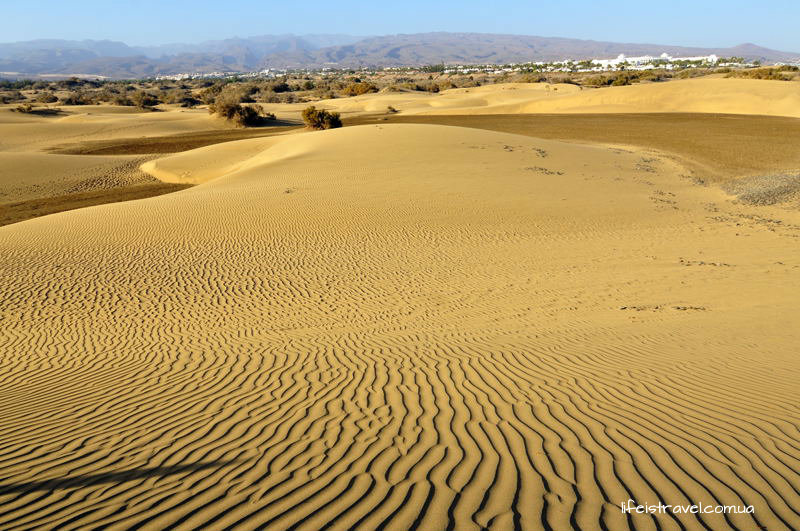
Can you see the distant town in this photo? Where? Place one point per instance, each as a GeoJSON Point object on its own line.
{"type": "Point", "coordinates": [619, 63]}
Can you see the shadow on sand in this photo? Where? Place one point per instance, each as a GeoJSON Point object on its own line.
{"type": "Point", "coordinates": [109, 477]}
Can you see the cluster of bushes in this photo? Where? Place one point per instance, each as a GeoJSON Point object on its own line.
{"type": "Point", "coordinates": [430, 86]}
{"type": "Point", "coordinates": [77, 97]}
{"type": "Point", "coordinates": [780, 73]}
{"type": "Point", "coordinates": [616, 79]}
{"type": "Point", "coordinates": [241, 115]}
{"type": "Point", "coordinates": [691, 73]}
{"type": "Point", "coordinates": [46, 97]}
{"type": "Point", "coordinates": [321, 119]}
{"type": "Point", "coordinates": [11, 96]}
{"type": "Point", "coordinates": [182, 97]}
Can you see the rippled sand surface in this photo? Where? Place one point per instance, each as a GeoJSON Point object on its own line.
{"type": "Point", "coordinates": [402, 327]}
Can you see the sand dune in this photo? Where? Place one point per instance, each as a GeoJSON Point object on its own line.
{"type": "Point", "coordinates": [402, 327]}
{"type": "Point", "coordinates": [31, 175]}
{"type": "Point", "coordinates": [40, 172]}
{"type": "Point", "coordinates": [706, 95]}
{"type": "Point", "coordinates": [35, 133]}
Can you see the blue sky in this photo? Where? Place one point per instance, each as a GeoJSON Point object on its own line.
{"type": "Point", "coordinates": [771, 23]}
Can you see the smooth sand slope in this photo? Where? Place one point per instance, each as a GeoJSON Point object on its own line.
{"type": "Point", "coordinates": [402, 327]}
{"type": "Point", "coordinates": [716, 148]}
{"type": "Point", "coordinates": [702, 95]}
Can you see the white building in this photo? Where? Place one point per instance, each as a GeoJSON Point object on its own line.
{"type": "Point", "coordinates": [646, 60]}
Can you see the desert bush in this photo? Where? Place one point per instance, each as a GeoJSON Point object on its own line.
{"type": "Point", "coordinates": [181, 97]}
{"type": "Point", "coordinates": [210, 93]}
{"type": "Point", "coordinates": [70, 83]}
{"type": "Point", "coordinates": [144, 100]}
{"type": "Point", "coordinates": [26, 108]}
{"type": "Point", "coordinates": [598, 81]}
{"type": "Point", "coordinates": [653, 75]}
{"type": "Point", "coordinates": [775, 74]}
{"type": "Point", "coordinates": [359, 88]}
{"type": "Point", "coordinates": [122, 100]}
{"type": "Point", "coordinates": [77, 98]}
{"type": "Point", "coordinates": [690, 73]}
{"type": "Point", "coordinates": [12, 96]}
{"type": "Point", "coordinates": [321, 119]}
{"type": "Point", "coordinates": [623, 80]}
{"type": "Point", "coordinates": [280, 86]}
{"type": "Point", "coordinates": [242, 115]}
{"type": "Point", "coordinates": [533, 78]}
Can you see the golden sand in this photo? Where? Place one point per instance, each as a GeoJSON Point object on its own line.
{"type": "Point", "coordinates": [395, 327]}
{"type": "Point", "coordinates": [706, 95]}
{"type": "Point", "coordinates": [401, 327]}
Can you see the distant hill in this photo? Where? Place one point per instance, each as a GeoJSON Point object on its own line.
{"type": "Point", "coordinates": [430, 48]}
{"type": "Point", "coordinates": [118, 60]}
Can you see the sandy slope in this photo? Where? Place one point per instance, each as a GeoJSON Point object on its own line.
{"type": "Point", "coordinates": [89, 122]}
{"type": "Point", "coordinates": [401, 327]}
{"type": "Point", "coordinates": [708, 95]}
{"type": "Point", "coordinates": [34, 181]}
{"type": "Point", "coordinates": [25, 176]}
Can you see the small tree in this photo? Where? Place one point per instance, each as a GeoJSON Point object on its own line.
{"type": "Point", "coordinates": [321, 119]}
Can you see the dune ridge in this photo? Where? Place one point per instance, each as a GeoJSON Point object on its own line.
{"type": "Point", "coordinates": [701, 95]}
{"type": "Point", "coordinates": [401, 327]}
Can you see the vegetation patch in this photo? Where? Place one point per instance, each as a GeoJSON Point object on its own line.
{"type": "Point", "coordinates": [321, 119]}
{"type": "Point", "coordinates": [241, 115]}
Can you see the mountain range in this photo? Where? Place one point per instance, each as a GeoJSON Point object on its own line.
{"type": "Point", "coordinates": [118, 60]}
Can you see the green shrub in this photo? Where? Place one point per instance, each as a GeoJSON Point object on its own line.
{"type": "Point", "coordinates": [241, 115]}
{"type": "Point", "coordinates": [321, 119]}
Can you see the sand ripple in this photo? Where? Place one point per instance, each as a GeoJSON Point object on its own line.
{"type": "Point", "coordinates": [400, 327]}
